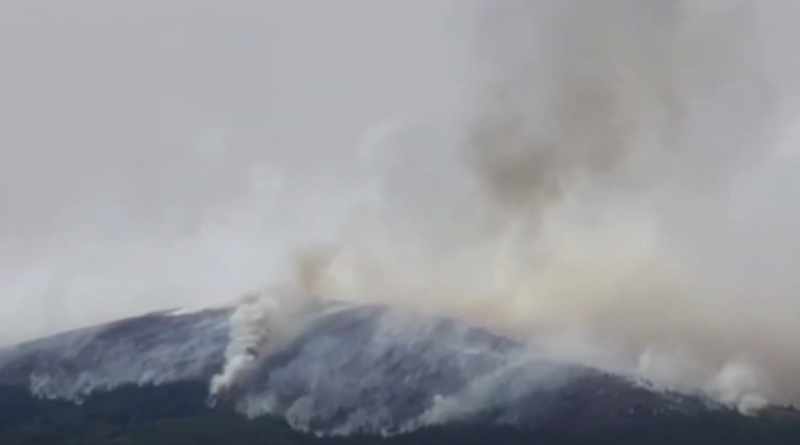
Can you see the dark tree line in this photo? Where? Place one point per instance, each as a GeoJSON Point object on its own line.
{"type": "Point", "coordinates": [176, 414]}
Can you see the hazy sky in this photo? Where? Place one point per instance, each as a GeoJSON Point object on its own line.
{"type": "Point", "coordinates": [134, 120]}
{"type": "Point", "coordinates": [96, 98]}
{"type": "Point", "coordinates": [158, 154]}
{"type": "Point", "coordinates": [163, 154]}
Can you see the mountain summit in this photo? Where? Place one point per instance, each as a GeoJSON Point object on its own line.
{"type": "Point", "coordinates": [343, 369]}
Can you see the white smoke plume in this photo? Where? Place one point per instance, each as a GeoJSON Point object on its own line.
{"type": "Point", "coordinates": [255, 324]}
{"type": "Point", "coordinates": [619, 190]}
{"type": "Point", "coordinates": [612, 179]}
{"type": "Point", "coordinates": [739, 384]}
{"type": "Point", "coordinates": [263, 321]}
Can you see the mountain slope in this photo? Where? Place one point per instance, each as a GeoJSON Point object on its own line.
{"type": "Point", "coordinates": [368, 369]}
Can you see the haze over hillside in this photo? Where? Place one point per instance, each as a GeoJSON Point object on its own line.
{"type": "Point", "coordinates": [614, 183]}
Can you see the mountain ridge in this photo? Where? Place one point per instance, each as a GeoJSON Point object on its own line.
{"type": "Point", "coordinates": [366, 369]}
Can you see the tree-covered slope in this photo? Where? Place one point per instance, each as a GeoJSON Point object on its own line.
{"type": "Point", "coordinates": [177, 414]}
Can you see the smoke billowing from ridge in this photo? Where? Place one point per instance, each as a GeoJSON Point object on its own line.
{"type": "Point", "coordinates": [254, 325]}
{"type": "Point", "coordinates": [610, 181]}
{"type": "Point", "coordinates": [620, 189]}
{"type": "Point", "coordinates": [264, 321]}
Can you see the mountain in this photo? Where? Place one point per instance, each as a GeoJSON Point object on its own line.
{"type": "Point", "coordinates": [345, 369]}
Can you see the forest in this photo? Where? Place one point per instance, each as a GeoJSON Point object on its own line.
{"type": "Point", "coordinates": [176, 414]}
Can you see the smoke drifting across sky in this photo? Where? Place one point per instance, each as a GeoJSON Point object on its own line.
{"type": "Point", "coordinates": [607, 192]}
{"type": "Point", "coordinates": [156, 155]}
{"type": "Point", "coordinates": [617, 184]}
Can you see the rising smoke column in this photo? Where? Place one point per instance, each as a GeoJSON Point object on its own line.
{"type": "Point", "coordinates": [256, 322]}
{"type": "Point", "coordinates": [263, 321]}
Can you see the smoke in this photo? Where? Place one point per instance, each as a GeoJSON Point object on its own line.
{"type": "Point", "coordinates": [739, 384]}
{"type": "Point", "coordinates": [255, 323]}
{"type": "Point", "coordinates": [618, 190]}
{"type": "Point", "coordinates": [264, 321]}
{"type": "Point", "coordinates": [175, 156]}
{"type": "Point", "coordinates": [610, 179]}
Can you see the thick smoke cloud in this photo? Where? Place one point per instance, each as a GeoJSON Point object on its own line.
{"type": "Point", "coordinates": [605, 195]}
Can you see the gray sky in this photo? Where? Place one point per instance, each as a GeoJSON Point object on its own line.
{"type": "Point", "coordinates": [125, 124]}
